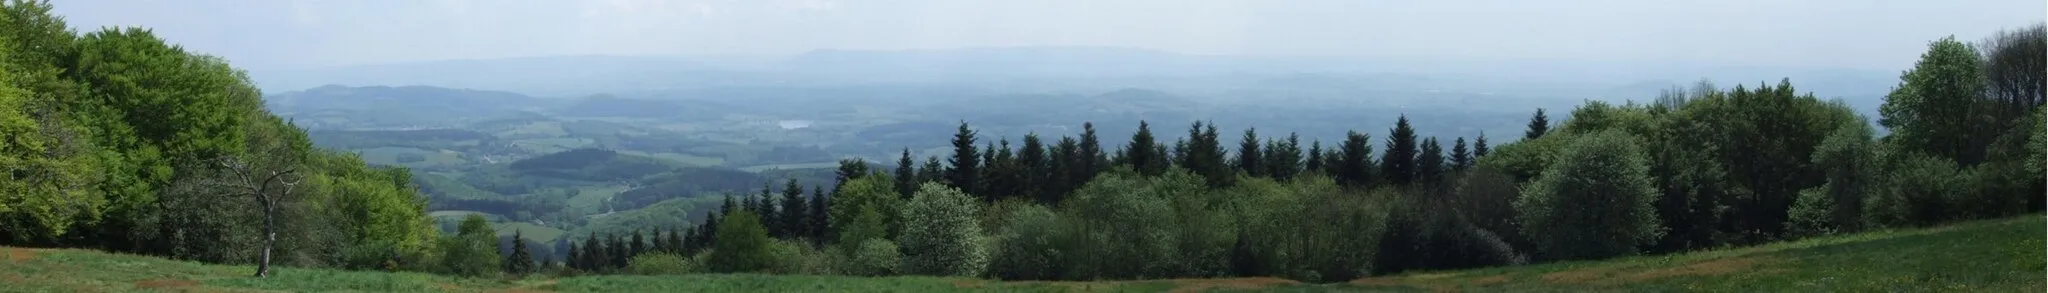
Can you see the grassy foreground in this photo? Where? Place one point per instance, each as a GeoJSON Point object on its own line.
{"type": "Point", "coordinates": [1986, 256]}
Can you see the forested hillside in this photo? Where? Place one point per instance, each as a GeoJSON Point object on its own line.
{"type": "Point", "coordinates": [118, 140]}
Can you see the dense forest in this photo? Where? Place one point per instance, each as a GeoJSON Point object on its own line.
{"type": "Point", "coordinates": [117, 140]}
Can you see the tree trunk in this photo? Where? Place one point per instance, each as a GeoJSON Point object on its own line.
{"type": "Point", "coordinates": [269, 238]}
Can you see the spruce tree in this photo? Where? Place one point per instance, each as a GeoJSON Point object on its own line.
{"type": "Point", "coordinates": [1314, 163]}
{"type": "Point", "coordinates": [1250, 158]}
{"type": "Point", "coordinates": [594, 254]}
{"type": "Point", "coordinates": [636, 245]}
{"type": "Point", "coordinates": [575, 260]}
{"type": "Point", "coordinates": [764, 205]}
{"type": "Point", "coordinates": [727, 207]}
{"type": "Point", "coordinates": [521, 260]}
{"type": "Point", "coordinates": [849, 169]}
{"type": "Point", "coordinates": [657, 243]}
{"type": "Point", "coordinates": [1461, 158]}
{"type": "Point", "coordinates": [619, 252]}
{"type": "Point", "coordinates": [906, 175]}
{"type": "Point", "coordinates": [1063, 172]}
{"type": "Point", "coordinates": [1141, 153]}
{"type": "Point", "coordinates": [1353, 163]}
{"type": "Point", "coordinates": [1093, 159]}
{"type": "Point", "coordinates": [1283, 157]}
{"type": "Point", "coordinates": [932, 171]}
{"type": "Point", "coordinates": [794, 208]}
{"type": "Point", "coordinates": [1429, 163]}
{"type": "Point", "coordinates": [966, 161]}
{"type": "Point", "coordinates": [1538, 125]}
{"type": "Point", "coordinates": [1398, 164]}
{"type": "Point", "coordinates": [819, 222]}
{"type": "Point", "coordinates": [1004, 175]}
{"type": "Point", "coordinates": [1033, 168]}
{"type": "Point", "coordinates": [1203, 154]}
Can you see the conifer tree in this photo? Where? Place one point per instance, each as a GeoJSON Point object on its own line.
{"type": "Point", "coordinates": [965, 173]}
{"type": "Point", "coordinates": [932, 171]}
{"type": "Point", "coordinates": [594, 254]}
{"type": "Point", "coordinates": [1092, 158]}
{"type": "Point", "coordinates": [1314, 163]}
{"type": "Point", "coordinates": [906, 175]}
{"type": "Point", "coordinates": [1249, 155]}
{"type": "Point", "coordinates": [575, 260]}
{"type": "Point", "coordinates": [636, 245]}
{"type": "Point", "coordinates": [794, 208]}
{"type": "Point", "coordinates": [1064, 171]}
{"type": "Point", "coordinates": [1538, 125]}
{"type": "Point", "coordinates": [1203, 154]}
{"type": "Point", "coordinates": [1353, 161]}
{"type": "Point", "coordinates": [1004, 175]}
{"type": "Point", "coordinates": [764, 206]}
{"type": "Point", "coordinates": [619, 252]}
{"type": "Point", "coordinates": [1479, 148]}
{"type": "Point", "coordinates": [849, 169]}
{"type": "Point", "coordinates": [1461, 157]}
{"type": "Point", "coordinates": [1429, 163]}
{"type": "Point", "coordinates": [819, 222]}
{"type": "Point", "coordinates": [1033, 168]}
{"type": "Point", "coordinates": [1141, 153]}
{"type": "Point", "coordinates": [656, 242]}
{"type": "Point", "coordinates": [1398, 164]}
{"type": "Point", "coordinates": [1283, 159]}
{"type": "Point", "coordinates": [521, 261]}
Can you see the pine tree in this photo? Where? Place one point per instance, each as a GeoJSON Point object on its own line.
{"type": "Point", "coordinates": [966, 171]}
{"type": "Point", "coordinates": [1314, 163]}
{"type": "Point", "coordinates": [849, 169]}
{"type": "Point", "coordinates": [1283, 157]}
{"type": "Point", "coordinates": [521, 261]}
{"type": "Point", "coordinates": [819, 222]}
{"type": "Point", "coordinates": [764, 206]}
{"type": "Point", "coordinates": [1353, 161]}
{"type": "Point", "coordinates": [1429, 164]}
{"type": "Point", "coordinates": [1141, 153]}
{"type": "Point", "coordinates": [1538, 125]}
{"type": "Point", "coordinates": [727, 207]}
{"type": "Point", "coordinates": [1002, 175]}
{"type": "Point", "coordinates": [575, 260]}
{"type": "Point", "coordinates": [1479, 148]}
{"type": "Point", "coordinates": [1033, 168]}
{"type": "Point", "coordinates": [794, 207]}
{"type": "Point", "coordinates": [932, 171]}
{"type": "Point", "coordinates": [594, 255]}
{"type": "Point", "coordinates": [1249, 157]}
{"type": "Point", "coordinates": [1398, 164]}
{"type": "Point", "coordinates": [694, 239]}
{"type": "Point", "coordinates": [620, 253]}
{"type": "Point", "coordinates": [1092, 158]}
{"type": "Point", "coordinates": [658, 243]}
{"type": "Point", "coordinates": [1063, 172]}
{"type": "Point", "coordinates": [906, 175]}
{"type": "Point", "coordinates": [636, 245]}
{"type": "Point", "coordinates": [1461, 158]}
{"type": "Point", "coordinates": [1203, 154]}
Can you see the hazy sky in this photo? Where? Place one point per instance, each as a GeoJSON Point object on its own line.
{"type": "Point", "coordinates": [279, 34]}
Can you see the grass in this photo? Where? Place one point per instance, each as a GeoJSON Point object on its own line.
{"type": "Point", "coordinates": [1984, 256]}
{"type": "Point", "coordinates": [760, 168]}
{"type": "Point", "coordinates": [592, 198]}
{"type": "Point", "coordinates": [681, 158]}
{"type": "Point", "coordinates": [389, 156]}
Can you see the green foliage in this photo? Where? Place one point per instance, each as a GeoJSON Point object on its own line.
{"type": "Point", "coordinates": [966, 163]}
{"type": "Point", "coordinates": [1594, 203]}
{"type": "Point", "coordinates": [742, 245]}
{"type": "Point", "coordinates": [1915, 190]}
{"type": "Point", "coordinates": [1398, 164]}
{"type": "Point", "coordinates": [795, 257]}
{"type": "Point", "coordinates": [1934, 109]}
{"type": "Point", "coordinates": [1309, 229]}
{"type": "Point", "coordinates": [472, 251]}
{"type": "Point", "coordinates": [1027, 246]}
{"type": "Point", "coordinates": [873, 257]}
{"type": "Point", "coordinates": [940, 234]}
{"type": "Point", "coordinates": [874, 193]}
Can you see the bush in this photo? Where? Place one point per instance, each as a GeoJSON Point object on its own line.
{"type": "Point", "coordinates": [1027, 248]}
{"type": "Point", "coordinates": [1595, 202]}
{"type": "Point", "coordinates": [796, 257]}
{"type": "Point", "coordinates": [873, 257]}
{"type": "Point", "coordinates": [1811, 214]}
{"type": "Point", "coordinates": [741, 245]}
{"type": "Point", "coordinates": [1917, 190]}
{"type": "Point", "coordinates": [661, 263]}
{"type": "Point", "coordinates": [473, 251]}
{"type": "Point", "coordinates": [940, 234]}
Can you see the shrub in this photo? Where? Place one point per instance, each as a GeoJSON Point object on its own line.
{"type": "Point", "coordinates": [796, 257]}
{"type": "Point", "coordinates": [1026, 249]}
{"type": "Point", "coordinates": [873, 257]}
{"type": "Point", "coordinates": [940, 233]}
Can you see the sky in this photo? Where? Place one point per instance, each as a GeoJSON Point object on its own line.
{"type": "Point", "coordinates": [297, 34]}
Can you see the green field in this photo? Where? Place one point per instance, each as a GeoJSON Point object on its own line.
{"type": "Point", "coordinates": [537, 233]}
{"type": "Point", "coordinates": [389, 156]}
{"type": "Point", "coordinates": [1984, 256]}
{"type": "Point", "coordinates": [680, 158]}
{"type": "Point", "coordinates": [592, 198]}
{"type": "Point", "coordinates": [760, 168]}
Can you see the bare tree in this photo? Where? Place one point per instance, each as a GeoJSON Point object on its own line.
{"type": "Point", "coordinates": [267, 181]}
{"type": "Point", "coordinates": [2013, 67]}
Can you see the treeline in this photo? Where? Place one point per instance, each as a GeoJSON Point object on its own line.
{"type": "Point", "coordinates": [116, 140]}
{"type": "Point", "coordinates": [1696, 168]}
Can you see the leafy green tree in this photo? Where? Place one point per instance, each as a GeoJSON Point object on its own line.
{"type": "Point", "coordinates": [1934, 109]}
{"type": "Point", "coordinates": [2014, 71]}
{"type": "Point", "coordinates": [1398, 164]}
{"type": "Point", "coordinates": [1028, 247]}
{"type": "Point", "coordinates": [1594, 203]}
{"type": "Point", "coordinates": [940, 234]}
{"type": "Point", "coordinates": [473, 250]}
{"type": "Point", "coordinates": [1538, 125]}
{"type": "Point", "coordinates": [876, 257]}
{"type": "Point", "coordinates": [741, 245]}
{"type": "Point", "coordinates": [966, 171]}
{"type": "Point", "coordinates": [873, 191]}
{"type": "Point", "coordinates": [1917, 189]}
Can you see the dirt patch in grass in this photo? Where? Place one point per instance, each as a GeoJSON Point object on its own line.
{"type": "Point", "coordinates": [1199, 285]}
{"type": "Point", "coordinates": [17, 254]}
{"type": "Point", "coordinates": [164, 284]}
{"type": "Point", "coordinates": [1707, 268]}
{"type": "Point", "coordinates": [1577, 275]}
{"type": "Point", "coordinates": [1380, 281]}
{"type": "Point", "coordinates": [1488, 281]}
